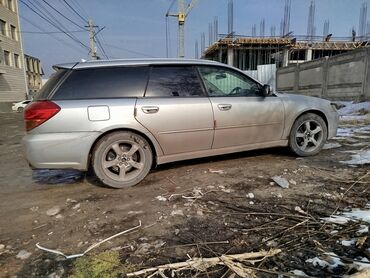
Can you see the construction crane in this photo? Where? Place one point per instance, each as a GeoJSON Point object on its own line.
{"type": "Point", "coordinates": [181, 17]}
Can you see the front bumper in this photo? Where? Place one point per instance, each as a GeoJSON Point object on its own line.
{"type": "Point", "coordinates": [59, 150]}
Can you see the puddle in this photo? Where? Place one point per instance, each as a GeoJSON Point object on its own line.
{"type": "Point", "coordinates": [57, 176]}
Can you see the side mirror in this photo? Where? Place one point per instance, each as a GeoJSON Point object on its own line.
{"type": "Point", "coordinates": [266, 90]}
{"type": "Point", "coordinates": [220, 76]}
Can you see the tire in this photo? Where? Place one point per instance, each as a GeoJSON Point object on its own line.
{"type": "Point", "coordinates": [122, 159]}
{"type": "Point", "coordinates": [308, 135]}
{"type": "Point", "coordinates": [20, 109]}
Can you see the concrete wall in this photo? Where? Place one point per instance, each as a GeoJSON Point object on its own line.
{"type": "Point", "coordinates": [342, 77]}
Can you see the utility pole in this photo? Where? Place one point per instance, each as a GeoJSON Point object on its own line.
{"type": "Point", "coordinates": [92, 35]}
{"type": "Point", "coordinates": [181, 16]}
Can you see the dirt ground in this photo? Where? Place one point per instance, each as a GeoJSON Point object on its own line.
{"type": "Point", "coordinates": [198, 208]}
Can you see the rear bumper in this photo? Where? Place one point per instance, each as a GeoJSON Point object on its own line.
{"type": "Point", "coordinates": [59, 150]}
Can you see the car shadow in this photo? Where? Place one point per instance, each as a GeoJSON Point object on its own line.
{"type": "Point", "coordinates": [276, 151]}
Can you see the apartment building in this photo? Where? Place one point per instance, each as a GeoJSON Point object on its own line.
{"type": "Point", "coordinates": [13, 85]}
{"type": "Point", "coordinates": [34, 74]}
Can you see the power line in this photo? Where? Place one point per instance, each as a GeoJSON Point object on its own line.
{"type": "Point", "coordinates": [52, 32]}
{"type": "Point", "coordinates": [62, 15]}
{"type": "Point", "coordinates": [131, 51]}
{"type": "Point", "coordinates": [103, 41]}
{"type": "Point", "coordinates": [79, 7]}
{"type": "Point", "coordinates": [53, 24]}
{"type": "Point", "coordinates": [80, 16]}
{"type": "Point", "coordinates": [101, 47]}
{"type": "Point", "coordinates": [50, 16]}
{"type": "Point", "coordinates": [52, 35]}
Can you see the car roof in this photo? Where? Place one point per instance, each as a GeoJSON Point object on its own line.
{"type": "Point", "coordinates": [133, 62]}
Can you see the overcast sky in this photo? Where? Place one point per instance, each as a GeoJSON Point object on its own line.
{"type": "Point", "coordinates": [136, 28]}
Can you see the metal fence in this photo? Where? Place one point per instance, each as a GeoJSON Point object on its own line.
{"type": "Point", "coordinates": [266, 74]}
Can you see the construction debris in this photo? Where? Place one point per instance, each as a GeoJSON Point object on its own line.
{"type": "Point", "coordinates": [280, 181]}
{"type": "Point", "coordinates": [236, 263]}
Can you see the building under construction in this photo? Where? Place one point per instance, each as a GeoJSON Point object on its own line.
{"type": "Point", "coordinates": [247, 53]}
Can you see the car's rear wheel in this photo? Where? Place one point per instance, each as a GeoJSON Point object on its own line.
{"type": "Point", "coordinates": [122, 159]}
{"type": "Point", "coordinates": [308, 135]}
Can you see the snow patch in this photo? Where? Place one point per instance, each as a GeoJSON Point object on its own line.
{"type": "Point", "coordinates": [354, 215]}
{"type": "Point", "coordinates": [332, 261]}
{"type": "Point", "coordinates": [363, 229]}
{"type": "Point", "coordinates": [328, 146]}
{"type": "Point", "coordinates": [348, 242]}
{"type": "Point", "coordinates": [353, 108]}
{"type": "Point", "coordinates": [359, 158]}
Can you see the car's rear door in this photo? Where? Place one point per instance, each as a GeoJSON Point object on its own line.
{"type": "Point", "coordinates": [242, 116]}
{"type": "Point", "coordinates": [176, 110]}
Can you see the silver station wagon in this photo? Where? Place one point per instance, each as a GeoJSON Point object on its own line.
{"type": "Point", "coordinates": [123, 117]}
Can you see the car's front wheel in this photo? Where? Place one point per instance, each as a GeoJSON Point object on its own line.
{"type": "Point", "coordinates": [20, 109]}
{"type": "Point", "coordinates": [308, 135]}
{"type": "Point", "coordinates": [122, 159]}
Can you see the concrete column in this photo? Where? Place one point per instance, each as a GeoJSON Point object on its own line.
{"type": "Point", "coordinates": [296, 79]}
{"type": "Point", "coordinates": [230, 56]}
{"type": "Point", "coordinates": [366, 85]}
{"type": "Point", "coordinates": [325, 71]}
{"type": "Point", "coordinates": [220, 55]}
{"type": "Point", "coordinates": [309, 54]}
{"type": "Point", "coordinates": [285, 57]}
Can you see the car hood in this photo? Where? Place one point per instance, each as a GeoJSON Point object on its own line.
{"type": "Point", "coordinates": [308, 100]}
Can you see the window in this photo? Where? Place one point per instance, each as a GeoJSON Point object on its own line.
{"type": "Point", "coordinates": [221, 82]}
{"type": "Point", "coordinates": [13, 32]}
{"type": "Point", "coordinates": [53, 80]}
{"type": "Point", "coordinates": [17, 62]}
{"type": "Point", "coordinates": [2, 27]}
{"type": "Point", "coordinates": [7, 58]}
{"type": "Point", "coordinates": [11, 5]}
{"type": "Point", "coordinates": [111, 82]}
{"type": "Point", "coordinates": [174, 82]}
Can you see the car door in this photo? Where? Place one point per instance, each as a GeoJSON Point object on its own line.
{"type": "Point", "coordinates": [242, 116]}
{"type": "Point", "coordinates": [176, 110]}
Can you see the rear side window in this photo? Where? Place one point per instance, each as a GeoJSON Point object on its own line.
{"type": "Point", "coordinates": [174, 82]}
{"type": "Point", "coordinates": [53, 80]}
{"type": "Point", "coordinates": [112, 82]}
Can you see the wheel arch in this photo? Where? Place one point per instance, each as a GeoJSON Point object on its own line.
{"type": "Point", "coordinates": [151, 144]}
{"type": "Point", "coordinates": [313, 111]}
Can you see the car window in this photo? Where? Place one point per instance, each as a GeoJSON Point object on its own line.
{"type": "Point", "coordinates": [110, 82]}
{"type": "Point", "coordinates": [221, 82]}
{"type": "Point", "coordinates": [174, 81]}
{"type": "Point", "coordinates": [53, 80]}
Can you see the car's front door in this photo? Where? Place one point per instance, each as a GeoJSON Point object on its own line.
{"type": "Point", "coordinates": [176, 110]}
{"type": "Point", "coordinates": [242, 115]}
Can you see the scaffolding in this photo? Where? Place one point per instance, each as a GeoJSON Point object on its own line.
{"type": "Point", "coordinates": [247, 53]}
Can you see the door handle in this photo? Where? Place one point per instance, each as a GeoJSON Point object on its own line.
{"type": "Point", "coordinates": [224, 107]}
{"type": "Point", "coordinates": [150, 109]}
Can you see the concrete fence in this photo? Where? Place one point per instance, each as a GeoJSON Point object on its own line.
{"type": "Point", "coordinates": [342, 77]}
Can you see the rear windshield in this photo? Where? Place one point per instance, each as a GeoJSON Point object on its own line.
{"type": "Point", "coordinates": [114, 82]}
{"type": "Point", "coordinates": [53, 80]}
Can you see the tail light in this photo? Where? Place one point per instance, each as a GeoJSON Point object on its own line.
{"type": "Point", "coordinates": [37, 113]}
